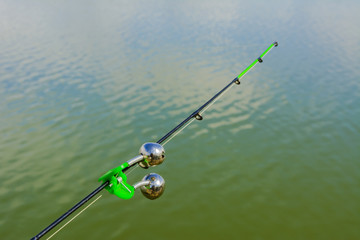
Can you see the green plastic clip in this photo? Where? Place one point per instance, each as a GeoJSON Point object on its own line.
{"type": "Point", "coordinates": [117, 182]}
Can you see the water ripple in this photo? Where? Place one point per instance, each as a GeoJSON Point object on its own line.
{"type": "Point", "coordinates": [84, 84]}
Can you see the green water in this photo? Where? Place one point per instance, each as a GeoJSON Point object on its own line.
{"type": "Point", "coordinates": [84, 84]}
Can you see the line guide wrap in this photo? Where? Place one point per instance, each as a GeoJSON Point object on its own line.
{"type": "Point", "coordinates": [151, 154]}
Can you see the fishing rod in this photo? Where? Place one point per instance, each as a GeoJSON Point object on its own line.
{"type": "Point", "coordinates": [151, 154]}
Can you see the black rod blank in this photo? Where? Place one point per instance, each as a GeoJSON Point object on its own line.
{"type": "Point", "coordinates": [196, 114]}
{"type": "Point", "coordinates": [68, 213]}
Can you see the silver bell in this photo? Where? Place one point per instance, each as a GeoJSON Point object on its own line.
{"type": "Point", "coordinates": [155, 188]}
{"type": "Point", "coordinates": [154, 154]}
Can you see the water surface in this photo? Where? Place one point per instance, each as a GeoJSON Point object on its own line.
{"type": "Point", "coordinates": [83, 84]}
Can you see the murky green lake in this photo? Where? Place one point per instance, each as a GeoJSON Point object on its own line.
{"type": "Point", "coordinates": [84, 84]}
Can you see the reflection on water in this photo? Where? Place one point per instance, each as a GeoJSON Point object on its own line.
{"type": "Point", "coordinates": [84, 84]}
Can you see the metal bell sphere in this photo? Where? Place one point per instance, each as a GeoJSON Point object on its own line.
{"type": "Point", "coordinates": [156, 187]}
{"type": "Point", "coordinates": [154, 154]}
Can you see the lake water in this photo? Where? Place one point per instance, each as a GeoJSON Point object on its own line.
{"type": "Point", "coordinates": [84, 84]}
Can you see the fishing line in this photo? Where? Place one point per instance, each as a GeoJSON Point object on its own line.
{"type": "Point", "coordinates": [84, 209]}
{"type": "Point", "coordinates": [202, 111]}
{"type": "Point", "coordinates": [267, 51]}
{"type": "Point", "coordinates": [179, 131]}
{"type": "Point", "coordinates": [132, 169]}
{"type": "Point", "coordinates": [74, 217]}
{"type": "Point", "coordinates": [150, 154]}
